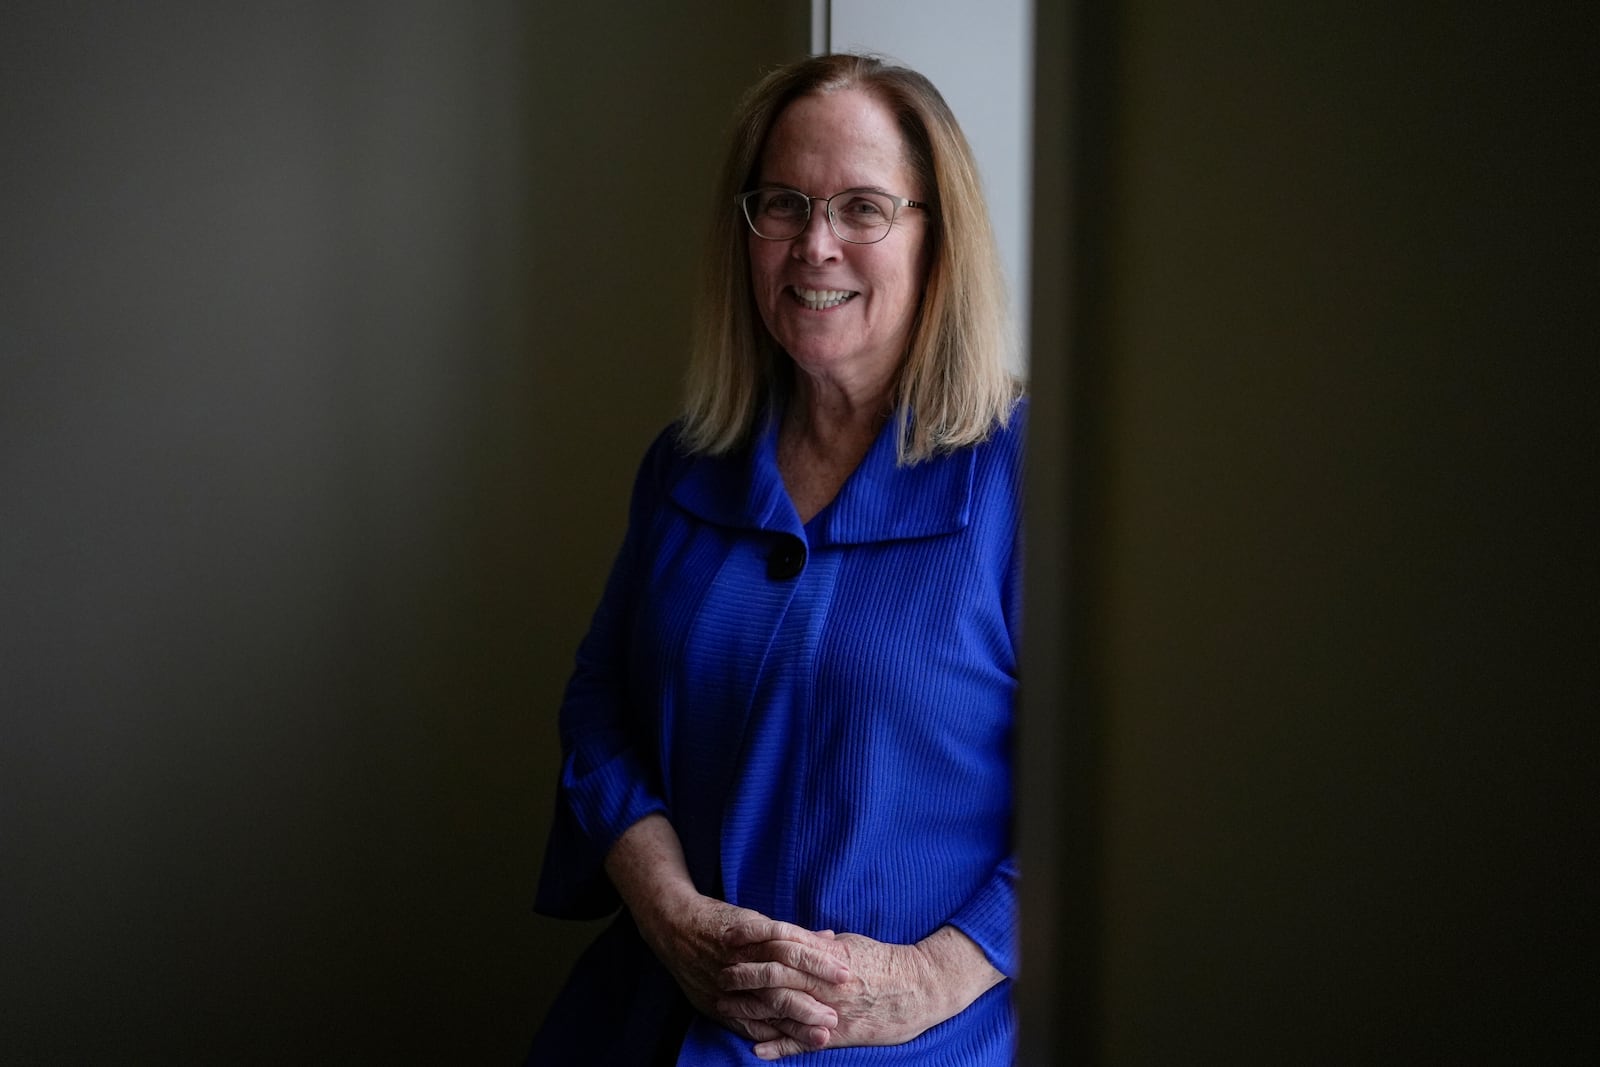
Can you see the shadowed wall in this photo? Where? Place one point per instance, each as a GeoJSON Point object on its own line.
{"type": "Point", "coordinates": [1309, 709]}
{"type": "Point", "coordinates": [329, 339]}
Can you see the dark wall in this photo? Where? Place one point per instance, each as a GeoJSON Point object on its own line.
{"type": "Point", "coordinates": [1317, 377]}
{"type": "Point", "coordinates": [329, 337]}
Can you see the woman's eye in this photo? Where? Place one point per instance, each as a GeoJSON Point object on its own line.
{"type": "Point", "coordinates": [863, 208]}
{"type": "Point", "coordinates": [785, 204]}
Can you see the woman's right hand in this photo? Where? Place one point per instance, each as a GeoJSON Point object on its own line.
{"type": "Point", "coordinates": [690, 934]}
{"type": "Point", "coordinates": [691, 939]}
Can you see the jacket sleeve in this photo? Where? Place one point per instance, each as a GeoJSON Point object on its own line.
{"type": "Point", "coordinates": [989, 917]}
{"type": "Point", "coordinates": [606, 782]}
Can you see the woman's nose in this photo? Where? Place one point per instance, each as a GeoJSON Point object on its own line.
{"type": "Point", "coordinates": [817, 243]}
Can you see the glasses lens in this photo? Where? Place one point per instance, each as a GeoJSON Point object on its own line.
{"type": "Point", "coordinates": [861, 216]}
{"type": "Point", "coordinates": [777, 214]}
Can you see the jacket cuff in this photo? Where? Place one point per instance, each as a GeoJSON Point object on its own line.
{"type": "Point", "coordinates": [989, 917]}
{"type": "Point", "coordinates": [592, 812]}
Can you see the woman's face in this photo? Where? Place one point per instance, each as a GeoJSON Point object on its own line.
{"type": "Point", "coordinates": [821, 145]}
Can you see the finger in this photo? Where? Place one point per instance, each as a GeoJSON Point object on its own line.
{"type": "Point", "coordinates": [783, 1046]}
{"type": "Point", "coordinates": [746, 1028]}
{"type": "Point", "coordinates": [776, 1006]}
{"type": "Point", "coordinates": [744, 977]}
{"type": "Point", "coordinates": [785, 965]}
{"type": "Point", "coordinates": [808, 1038]}
{"type": "Point", "coordinates": [820, 956]}
{"type": "Point", "coordinates": [757, 930]}
{"type": "Point", "coordinates": [755, 1029]}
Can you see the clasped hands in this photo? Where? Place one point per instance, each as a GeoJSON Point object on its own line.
{"type": "Point", "coordinates": [784, 987]}
{"type": "Point", "coordinates": [794, 990]}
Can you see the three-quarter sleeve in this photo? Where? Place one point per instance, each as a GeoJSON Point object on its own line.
{"type": "Point", "coordinates": [989, 917]}
{"type": "Point", "coordinates": [606, 784]}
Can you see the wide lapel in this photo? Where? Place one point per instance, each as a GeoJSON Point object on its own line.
{"type": "Point", "coordinates": [883, 501]}
{"type": "Point", "coordinates": [742, 490]}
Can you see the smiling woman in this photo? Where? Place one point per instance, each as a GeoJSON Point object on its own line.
{"type": "Point", "coordinates": [953, 371]}
{"type": "Point", "coordinates": [787, 742]}
{"type": "Point", "coordinates": [841, 310]}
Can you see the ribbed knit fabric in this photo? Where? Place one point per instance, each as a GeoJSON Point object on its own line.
{"type": "Point", "coordinates": [833, 748]}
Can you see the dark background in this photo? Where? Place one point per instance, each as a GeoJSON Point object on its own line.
{"type": "Point", "coordinates": [1314, 780]}
{"type": "Point", "coordinates": [330, 336]}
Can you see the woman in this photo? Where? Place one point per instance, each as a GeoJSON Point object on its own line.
{"type": "Point", "coordinates": [786, 742]}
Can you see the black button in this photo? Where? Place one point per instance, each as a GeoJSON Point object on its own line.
{"type": "Point", "coordinates": [786, 560]}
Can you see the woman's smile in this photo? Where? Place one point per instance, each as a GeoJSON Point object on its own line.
{"type": "Point", "coordinates": [821, 299]}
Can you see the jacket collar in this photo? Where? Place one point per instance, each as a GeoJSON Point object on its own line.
{"type": "Point", "coordinates": [878, 502]}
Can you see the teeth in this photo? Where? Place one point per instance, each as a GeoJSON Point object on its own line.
{"type": "Point", "coordinates": [822, 299]}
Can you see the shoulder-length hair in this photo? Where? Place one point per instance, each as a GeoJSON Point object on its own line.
{"type": "Point", "coordinates": [954, 386]}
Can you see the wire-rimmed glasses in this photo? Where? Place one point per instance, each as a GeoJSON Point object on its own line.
{"type": "Point", "coordinates": [859, 216]}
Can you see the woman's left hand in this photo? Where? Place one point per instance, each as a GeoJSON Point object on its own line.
{"type": "Point", "coordinates": [894, 992]}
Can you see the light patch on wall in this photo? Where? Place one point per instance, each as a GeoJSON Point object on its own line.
{"type": "Point", "coordinates": [981, 58]}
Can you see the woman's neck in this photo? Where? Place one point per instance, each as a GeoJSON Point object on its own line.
{"type": "Point", "coordinates": [826, 432]}
{"type": "Point", "coordinates": [835, 421]}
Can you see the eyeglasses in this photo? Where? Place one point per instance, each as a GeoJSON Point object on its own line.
{"type": "Point", "coordinates": [859, 216]}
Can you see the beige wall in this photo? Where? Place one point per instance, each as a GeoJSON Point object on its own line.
{"type": "Point", "coordinates": [1309, 711]}
{"type": "Point", "coordinates": [328, 341]}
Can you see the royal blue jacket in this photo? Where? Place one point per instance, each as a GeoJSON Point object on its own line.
{"type": "Point", "coordinates": [822, 710]}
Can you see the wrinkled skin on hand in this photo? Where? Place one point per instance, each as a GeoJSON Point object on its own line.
{"type": "Point", "coordinates": [893, 992]}
{"type": "Point", "coordinates": [692, 935]}
{"type": "Point", "coordinates": [891, 995]}
{"type": "Point", "coordinates": [697, 945]}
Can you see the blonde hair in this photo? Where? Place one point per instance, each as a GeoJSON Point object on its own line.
{"type": "Point", "coordinates": [954, 387]}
